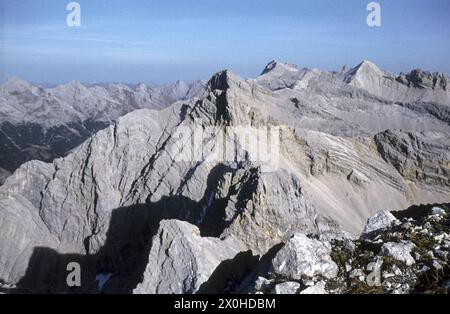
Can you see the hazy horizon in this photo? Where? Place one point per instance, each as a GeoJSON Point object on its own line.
{"type": "Point", "coordinates": [156, 84]}
{"type": "Point", "coordinates": [157, 42]}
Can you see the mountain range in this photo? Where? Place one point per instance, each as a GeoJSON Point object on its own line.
{"type": "Point", "coordinates": [45, 123]}
{"type": "Point", "coordinates": [125, 206]}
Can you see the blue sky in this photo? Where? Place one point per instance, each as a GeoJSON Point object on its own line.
{"type": "Point", "coordinates": [159, 41]}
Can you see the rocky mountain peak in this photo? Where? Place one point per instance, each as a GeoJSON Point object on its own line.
{"type": "Point", "coordinates": [14, 84]}
{"type": "Point", "coordinates": [416, 86]}
{"type": "Point", "coordinates": [72, 90]}
{"type": "Point", "coordinates": [74, 84]}
{"type": "Point", "coordinates": [223, 80]}
{"type": "Point", "coordinates": [141, 87]}
{"type": "Point", "coordinates": [344, 69]}
{"type": "Point", "coordinates": [424, 80]}
{"type": "Point", "coordinates": [180, 84]}
{"type": "Point", "coordinates": [364, 71]}
{"type": "Point", "coordinates": [276, 66]}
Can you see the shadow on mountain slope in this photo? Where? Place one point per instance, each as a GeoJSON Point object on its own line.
{"type": "Point", "coordinates": [230, 273]}
{"type": "Point", "coordinates": [417, 211]}
{"type": "Point", "coordinates": [30, 141]}
{"type": "Point", "coordinates": [127, 246]}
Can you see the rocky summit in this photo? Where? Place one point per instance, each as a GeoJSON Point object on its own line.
{"type": "Point", "coordinates": [178, 199]}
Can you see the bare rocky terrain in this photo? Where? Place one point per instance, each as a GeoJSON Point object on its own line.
{"type": "Point", "coordinates": [124, 204]}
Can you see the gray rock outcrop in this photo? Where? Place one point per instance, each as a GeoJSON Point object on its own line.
{"type": "Point", "coordinates": [303, 257]}
{"type": "Point", "coordinates": [381, 220]}
{"type": "Point", "coordinates": [399, 251]}
{"type": "Point", "coordinates": [287, 288]}
{"type": "Point", "coordinates": [180, 260]}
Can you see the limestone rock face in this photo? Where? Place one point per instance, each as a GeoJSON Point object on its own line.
{"type": "Point", "coordinates": [422, 157]}
{"type": "Point", "coordinates": [180, 260]}
{"type": "Point", "coordinates": [304, 257]}
{"type": "Point", "coordinates": [276, 208]}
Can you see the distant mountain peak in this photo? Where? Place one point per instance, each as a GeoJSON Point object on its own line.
{"type": "Point", "coordinates": [222, 80]}
{"type": "Point", "coordinates": [274, 65]}
{"type": "Point", "coordinates": [365, 69]}
{"type": "Point", "coordinates": [180, 83]}
{"type": "Point", "coordinates": [12, 79]}
{"type": "Point", "coordinates": [75, 83]}
{"type": "Point", "coordinates": [368, 63]}
{"type": "Point", "coordinates": [424, 79]}
{"type": "Point", "coordinates": [141, 87]}
{"type": "Point", "coordinates": [370, 77]}
{"type": "Point", "coordinates": [16, 83]}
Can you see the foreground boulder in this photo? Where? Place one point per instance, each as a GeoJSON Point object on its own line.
{"type": "Point", "coordinates": [303, 257]}
{"type": "Point", "coordinates": [381, 220]}
{"type": "Point", "coordinates": [180, 260]}
{"type": "Point", "coordinates": [399, 251]}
